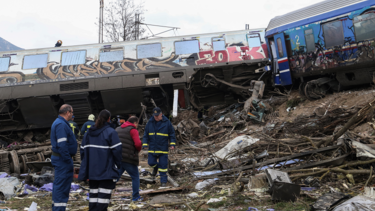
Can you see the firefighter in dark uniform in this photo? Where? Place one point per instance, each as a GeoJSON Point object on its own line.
{"type": "Point", "coordinates": [74, 127]}
{"type": "Point", "coordinates": [88, 124]}
{"type": "Point", "coordinates": [158, 132]}
{"type": "Point", "coordinates": [64, 146]}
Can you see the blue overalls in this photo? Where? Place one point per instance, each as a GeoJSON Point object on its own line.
{"type": "Point", "coordinates": [64, 146]}
{"type": "Point", "coordinates": [156, 137]}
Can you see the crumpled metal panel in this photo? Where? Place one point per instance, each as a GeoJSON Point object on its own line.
{"type": "Point", "coordinates": [363, 150]}
{"type": "Point", "coordinates": [329, 200]}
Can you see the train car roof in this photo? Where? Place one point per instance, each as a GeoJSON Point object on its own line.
{"type": "Point", "coordinates": [313, 13]}
{"type": "Point", "coordinates": [143, 41]}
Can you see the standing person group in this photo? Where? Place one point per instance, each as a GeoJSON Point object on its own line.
{"type": "Point", "coordinates": [106, 153]}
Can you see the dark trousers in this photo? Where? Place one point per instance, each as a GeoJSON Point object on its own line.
{"type": "Point", "coordinates": [162, 165]}
{"type": "Point", "coordinates": [132, 170]}
{"type": "Point", "coordinates": [62, 182]}
{"type": "Point", "coordinates": [100, 194]}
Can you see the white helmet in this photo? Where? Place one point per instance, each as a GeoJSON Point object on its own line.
{"type": "Point", "coordinates": [92, 117]}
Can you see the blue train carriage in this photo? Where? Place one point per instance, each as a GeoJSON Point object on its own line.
{"type": "Point", "coordinates": [325, 46]}
{"type": "Point", "coordinates": [120, 76]}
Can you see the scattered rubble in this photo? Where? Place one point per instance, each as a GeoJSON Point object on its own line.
{"type": "Point", "coordinates": [263, 154]}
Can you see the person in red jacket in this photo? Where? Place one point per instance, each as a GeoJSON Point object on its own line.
{"type": "Point", "coordinates": [131, 146]}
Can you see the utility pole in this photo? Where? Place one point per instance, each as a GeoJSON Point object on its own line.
{"type": "Point", "coordinates": [101, 21]}
{"type": "Point", "coordinates": [136, 30]}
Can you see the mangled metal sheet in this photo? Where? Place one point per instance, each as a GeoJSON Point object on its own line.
{"type": "Point", "coordinates": [362, 150]}
{"type": "Point", "coordinates": [278, 176]}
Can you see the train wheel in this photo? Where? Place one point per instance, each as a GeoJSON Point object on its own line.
{"type": "Point", "coordinates": [313, 91]}
{"type": "Point", "coordinates": [15, 164]}
{"type": "Point", "coordinates": [24, 161]}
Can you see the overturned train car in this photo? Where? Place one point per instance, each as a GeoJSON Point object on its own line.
{"type": "Point", "coordinates": [326, 46]}
{"type": "Point", "coordinates": [216, 67]}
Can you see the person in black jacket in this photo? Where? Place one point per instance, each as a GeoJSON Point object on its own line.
{"type": "Point", "coordinates": [101, 157]}
{"type": "Point", "coordinates": [131, 146]}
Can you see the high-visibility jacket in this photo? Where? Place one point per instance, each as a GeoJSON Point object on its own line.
{"type": "Point", "coordinates": [63, 140]}
{"type": "Point", "coordinates": [156, 138]}
{"type": "Point", "coordinates": [75, 128]}
{"type": "Point", "coordinates": [86, 126]}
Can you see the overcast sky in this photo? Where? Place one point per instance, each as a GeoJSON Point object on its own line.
{"type": "Point", "coordinates": [40, 23]}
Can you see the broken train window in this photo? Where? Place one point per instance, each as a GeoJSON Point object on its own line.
{"type": "Point", "coordinates": [310, 41]}
{"type": "Point", "coordinates": [364, 26]}
{"type": "Point", "coordinates": [333, 34]}
{"type": "Point", "coordinates": [280, 47]}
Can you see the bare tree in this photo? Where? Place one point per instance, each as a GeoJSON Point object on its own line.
{"type": "Point", "coordinates": [119, 21]}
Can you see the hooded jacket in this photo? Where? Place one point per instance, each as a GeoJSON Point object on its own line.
{"type": "Point", "coordinates": [131, 144]}
{"type": "Point", "coordinates": [100, 154]}
{"type": "Point", "coordinates": [156, 136]}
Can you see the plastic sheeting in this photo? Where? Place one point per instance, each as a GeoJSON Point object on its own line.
{"type": "Point", "coordinates": [7, 186]}
{"type": "Point", "coordinates": [236, 144]}
{"type": "Point", "coordinates": [357, 203]}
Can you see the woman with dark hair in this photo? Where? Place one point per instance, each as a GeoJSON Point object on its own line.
{"type": "Point", "coordinates": [101, 157]}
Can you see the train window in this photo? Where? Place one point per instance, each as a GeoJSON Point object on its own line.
{"type": "Point", "coordinates": [4, 64]}
{"type": "Point", "coordinates": [333, 34]}
{"type": "Point", "coordinates": [280, 47]}
{"type": "Point", "coordinates": [310, 41]}
{"type": "Point", "coordinates": [364, 26]}
{"type": "Point", "coordinates": [73, 58]}
{"type": "Point", "coordinates": [186, 47]}
{"type": "Point", "coordinates": [218, 45]}
{"type": "Point", "coordinates": [149, 50]}
{"type": "Point", "coordinates": [35, 61]}
{"type": "Point", "coordinates": [253, 40]}
{"type": "Point", "coordinates": [111, 56]}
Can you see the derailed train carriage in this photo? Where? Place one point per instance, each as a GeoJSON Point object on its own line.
{"type": "Point", "coordinates": [120, 76]}
{"type": "Point", "coordinates": [323, 47]}
{"type": "Point", "coordinates": [326, 46]}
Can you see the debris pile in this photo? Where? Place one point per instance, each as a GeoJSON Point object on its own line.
{"type": "Point", "coordinates": [255, 155]}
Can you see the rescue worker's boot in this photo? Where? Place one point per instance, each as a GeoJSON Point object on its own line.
{"type": "Point", "coordinates": [154, 172]}
{"type": "Point", "coordinates": [163, 184]}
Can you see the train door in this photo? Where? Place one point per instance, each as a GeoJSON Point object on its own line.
{"type": "Point", "coordinates": [275, 65]}
{"type": "Point", "coordinates": [282, 60]}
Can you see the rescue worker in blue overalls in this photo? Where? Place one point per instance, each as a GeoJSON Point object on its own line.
{"type": "Point", "coordinates": [64, 146]}
{"type": "Point", "coordinates": [157, 133]}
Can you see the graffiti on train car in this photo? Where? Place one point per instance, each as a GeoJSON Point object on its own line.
{"type": "Point", "coordinates": [55, 71]}
{"type": "Point", "coordinates": [348, 52]}
{"type": "Point", "coordinates": [94, 67]}
{"type": "Point", "coordinates": [231, 54]}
